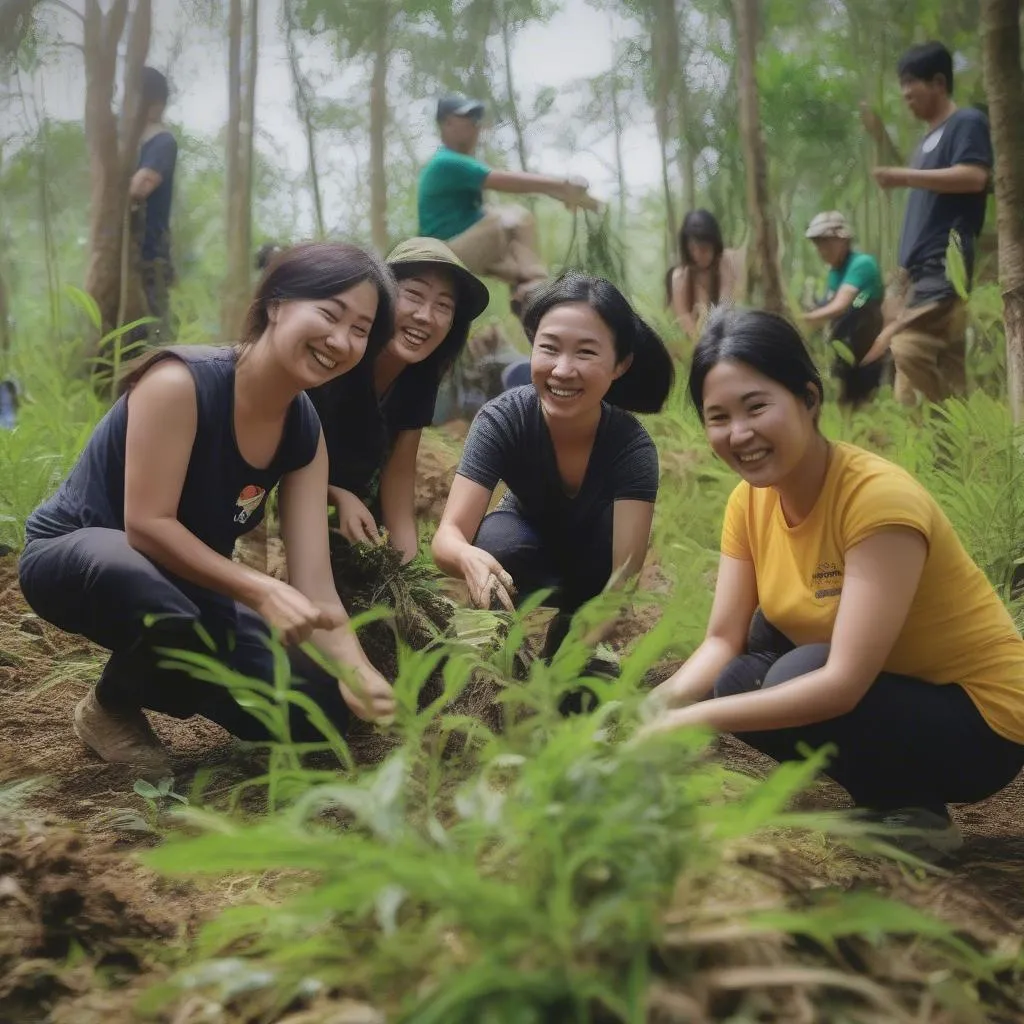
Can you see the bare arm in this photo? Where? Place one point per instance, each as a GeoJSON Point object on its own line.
{"type": "Point", "coordinates": [726, 637]}
{"type": "Point", "coordinates": [882, 575]}
{"type": "Point", "coordinates": [454, 552]}
{"type": "Point", "coordinates": [144, 182]}
{"type": "Point", "coordinates": [522, 183]}
{"type": "Point", "coordinates": [682, 309]}
{"type": "Point", "coordinates": [398, 493]}
{"type": "Point", "coordinates": [840, 303]}
{"type": "Point", "coordinates": [960, 179]}
{"type": "Point", "coordinates": [303, 511]}
{"type": "Point", "coordinates": [730, 275]}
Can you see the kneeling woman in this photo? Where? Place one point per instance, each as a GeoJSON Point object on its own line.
{"type": "Point", "coordinates": [373, 417]}
{"type": "Point", "coordinates": [581, 472]}
{"type": "Point", "coordinates": [134, 550]}
{"type": "Point", "coordinates": [876, 630]}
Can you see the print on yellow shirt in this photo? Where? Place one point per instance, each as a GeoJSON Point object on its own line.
{"type": "Point", "coordinates": [957, 629]}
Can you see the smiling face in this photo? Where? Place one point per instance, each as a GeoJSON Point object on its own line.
{"type": "Point", "coordinates": [426, 309]}
{"type": "Point", "coordinates": [320, 339]}
{"type": "Point", "coordinates": [756, 425]}
{"type": "Point", "coordinates": [573, 362]}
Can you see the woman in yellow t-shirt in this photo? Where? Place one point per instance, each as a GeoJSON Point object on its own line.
{"type": "Point", "coordinates": [874, 629]}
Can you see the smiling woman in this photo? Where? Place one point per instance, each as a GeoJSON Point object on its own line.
{"type": "Point", "coordinates": [874, 630]}
{"type": "Point", "coordinates": [581, 471]}
{"type": "Point", "coordinates": [134, 549]}
{"type": "Point", "coordinates": [373, 418]}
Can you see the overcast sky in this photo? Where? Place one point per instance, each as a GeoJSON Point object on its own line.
{"type": "Point", "coordinates": [576, 43]}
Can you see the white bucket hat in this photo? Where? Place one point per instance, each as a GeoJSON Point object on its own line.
{"type": "Point", "coordinates": [831, 224]}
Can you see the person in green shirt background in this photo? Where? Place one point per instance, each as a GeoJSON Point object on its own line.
{"type": "Point", "coordinates": [852, 307]}
{"type": "Point", "coordinates": [499, 241]}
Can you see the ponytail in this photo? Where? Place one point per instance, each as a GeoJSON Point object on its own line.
{"type": "Point", "coordinates": [647, 382]}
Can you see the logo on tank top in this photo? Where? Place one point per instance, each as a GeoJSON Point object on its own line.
{"type": "Point", "coordinates": [247, 502]}
{"type": "Point", "coordinates": [828, 579]}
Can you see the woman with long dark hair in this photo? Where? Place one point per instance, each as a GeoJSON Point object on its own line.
{"type": "Point", "coordinates": [134, 549]}
{"type": "Point", "coordinates": [874, 629]}
{"type": "Point", "coordinates": [707, 274]}
{"type": "Point", "coordinates": [373, 418]}
{"type": "Point", "coordinates": [581, 471]}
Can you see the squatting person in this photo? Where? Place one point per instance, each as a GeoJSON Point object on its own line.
{"type": "Point", "coordinates": [874, 629]}
{"type": "Point", "coordinates": [581, 472]}
{"type": "Point", "coordinates": [134, 549]}
{"type": "Point", "coordinates": [374, 416]}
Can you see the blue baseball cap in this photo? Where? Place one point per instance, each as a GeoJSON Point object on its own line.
{"type": "Point", "coordinates": [459, 106]}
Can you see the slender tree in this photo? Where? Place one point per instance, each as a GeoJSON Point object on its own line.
{"type": "Point", "coordinates": [1004, 86]}
{"type": "Point", "coordinates": [243, 41]}
{"type": "Point", "coordinates": [112, 276]}
{"type": "Point", "coordinates": [304, 107]}
{"type": "Point", "coordinates": [763, 273]}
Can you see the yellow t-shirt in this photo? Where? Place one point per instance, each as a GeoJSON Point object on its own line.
{"type": "Point", "coordinates": [957, 629]}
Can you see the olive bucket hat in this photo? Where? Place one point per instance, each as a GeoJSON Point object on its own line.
{"type": "Point", "coordinates": [432, 252]}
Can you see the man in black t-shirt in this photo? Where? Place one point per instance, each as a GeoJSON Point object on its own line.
{"type": "Point", "coordinates": [948, 180]}
{"type": "Point", "coordinates": [150, 191]}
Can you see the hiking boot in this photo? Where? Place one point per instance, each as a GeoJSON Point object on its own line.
{"type": "Point", "coordinates": [119, 737]}
{"type": "Point", "coordinates": [918, 831]}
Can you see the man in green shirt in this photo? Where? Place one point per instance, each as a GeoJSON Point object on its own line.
{"type": "Point", "coordinates": [852, 307]}
{"type": "Point", "coordinates": [499, 241]}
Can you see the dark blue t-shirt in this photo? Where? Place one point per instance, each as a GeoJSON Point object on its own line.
{"type": "Point", "coordinates": [509, 441]}
{"type": "Point", "coordinates": [222, 498]}
{"type": "Point", "coordinates": [160, 154]}
{"type": "Point", "coordinates": [359, 430]}
{"type": "Point", "coordinates": [963, 138]}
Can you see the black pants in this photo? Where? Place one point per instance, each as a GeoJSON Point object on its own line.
{"type": "Point", "coordinates": [93, 583]}
{"type": "Point", "coordinates": [908, 743]}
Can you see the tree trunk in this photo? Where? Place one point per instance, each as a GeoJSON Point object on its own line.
{"type": "Point", "coordinates": [763, 260]}
{"type": "Point", "coordinates": [113, 154]}
{"type": "Point", "coordinates": [1004, 88]}
{"type": "Point", "coordinates": [304, 108]}
{"type": "Point", "coordinates": [510, 90]}
{"type": "Point", "coordinates": [242, 64]}
{"type": "Point", "coordinates": [378, 131]}
{"type": "Point", "coordinates": [664, 48]}
{"type": "Point", "coordinates": [685, 158]}
{"type": "Point", "coordinates": [619, 130]}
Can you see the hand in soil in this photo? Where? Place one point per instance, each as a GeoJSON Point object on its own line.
{"type": "Point", "coordinates": [292, 615]}
{"type": "Point", "coordinates": [371, 697]}
{"type": "Point", "coordinates": [355, 521]}
{"type": "Point", "coordinates": [487, 580]}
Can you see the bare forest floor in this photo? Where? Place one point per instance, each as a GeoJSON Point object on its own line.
{"type": "Point", "coordinates": [82, 924]}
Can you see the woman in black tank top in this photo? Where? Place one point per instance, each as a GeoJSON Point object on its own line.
{"type": "Point", "coordinates": [134, 550]}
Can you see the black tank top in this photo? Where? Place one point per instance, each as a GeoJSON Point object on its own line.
{"type": "Point", "coordinates": [222, 497]}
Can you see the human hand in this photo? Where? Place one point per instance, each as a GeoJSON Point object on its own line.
{"type": "Point", "coordinates": [575, 195]}
{"type": "Point", "coordinates": [355, 521]}
{"type": "Point", "coordinates": [369, 695]}
{"type": "Point", "coordinates": [292, 615]}
{"type": "Point", "coordinates": [486, 579]}
{"type": "Point", "coordinates": [890, 177]}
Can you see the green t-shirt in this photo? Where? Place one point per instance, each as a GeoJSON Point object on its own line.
{"type": "Point", "coordinates": [862, 272]}
{"type": "Point", "coordinates": [451, 197]}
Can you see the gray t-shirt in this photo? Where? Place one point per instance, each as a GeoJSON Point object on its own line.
{"type": "Point", "coordinates": [509, 441]}
{"type": "Point", "coordinates": [963, 138]}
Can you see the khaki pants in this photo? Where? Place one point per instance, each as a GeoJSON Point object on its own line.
{"type": "Point", "coordinates": [503, 244]}
{"type": "Point", "coordinates": [929, 348]}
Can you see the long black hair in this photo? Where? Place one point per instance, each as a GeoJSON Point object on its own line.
{"type": "Point", "coordinates": [699, 226]}
{"type": "Point", "coordinates": [318, 270]}
{"type": "Point", "coordinates": [764, 341]}
{"type": "Point", "coordinates": [647, 382]}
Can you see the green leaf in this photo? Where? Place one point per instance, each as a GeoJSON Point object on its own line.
{"type": "Point", "coordinates": [86, 303]}
{"type": "Point", "coordinates": [956, 268]}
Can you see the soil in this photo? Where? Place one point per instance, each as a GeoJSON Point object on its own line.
{"type": "Point", "coordinates": [84, 927]}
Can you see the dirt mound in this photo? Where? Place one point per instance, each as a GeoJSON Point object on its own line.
{"type": "Point", "coordinates": [63, 904]}
{"type": "Point", "coordinates": [435, 469]}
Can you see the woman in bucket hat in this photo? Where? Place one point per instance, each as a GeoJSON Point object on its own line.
{"type": "Point", "coordinates": [373, 418]}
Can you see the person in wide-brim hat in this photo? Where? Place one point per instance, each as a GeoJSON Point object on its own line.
{"type": "Point", "coordinates": [373, 418]}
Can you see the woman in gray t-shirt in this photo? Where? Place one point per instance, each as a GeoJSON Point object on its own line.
{"type": "Point", "coordinates": [581, 471]}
